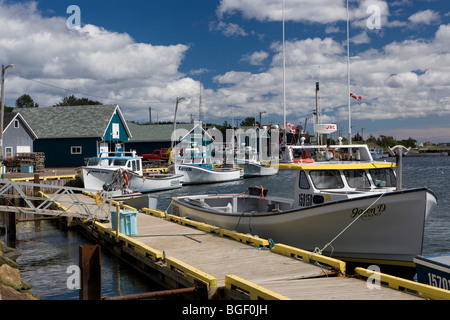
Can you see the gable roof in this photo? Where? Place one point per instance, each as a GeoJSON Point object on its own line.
{"type": "Point", "coordinates": [72, 121]}
{"type": "Point", "coordinates": [9, 117]}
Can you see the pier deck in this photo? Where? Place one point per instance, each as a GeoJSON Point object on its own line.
{"type": "Point", "coordinates": [219, 257]}
{"type": "Point", "coordinates": [179, 252]}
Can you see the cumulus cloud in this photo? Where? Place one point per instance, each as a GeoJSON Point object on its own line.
{"type": "Point", "coordinates": [91, 60]}
{"type": "Point", "coordinates": [425, 17]}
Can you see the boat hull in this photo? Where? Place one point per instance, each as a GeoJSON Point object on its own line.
{"type": "Point", "coordinates": [96, 178]}
{"type": "Point", "coordinates": [434, 270]}
{"type": "Point", "coordinates": [390, 231]}
{"type": "Point", "coordinates": [196, 174]}
{"type": "Point", "coordinates": [257, 170]}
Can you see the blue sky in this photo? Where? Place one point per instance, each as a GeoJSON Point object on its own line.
{"type": "Point", "coordinates": [142, 54]}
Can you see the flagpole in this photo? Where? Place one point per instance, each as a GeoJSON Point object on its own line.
{"type": "Point", "coordinates": [348, 81]}
{"type": "Point", "coordinates": [284, 82]}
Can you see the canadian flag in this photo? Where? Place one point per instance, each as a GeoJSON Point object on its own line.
{"type": "Point", "coordinates": [355, 97]}
{"type": "Point", "coordinates": [290, 126]}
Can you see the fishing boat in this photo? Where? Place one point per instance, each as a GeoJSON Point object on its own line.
{"type": "Point", "coordinates": [199, 169]}
{"type": "Point", "coordinates": [122, 172]}
{"type": "Point", "coordinates": [434, 270]}
{"type": "Point", "coordinates": [352, 208]}
{"type": "Point", "coordinates": [193, 159]}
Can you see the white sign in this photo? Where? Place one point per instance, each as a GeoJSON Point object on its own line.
{"type": "Point", "coordinates": [325, 128]}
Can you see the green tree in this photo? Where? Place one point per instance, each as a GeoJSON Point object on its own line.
{"type": "Point", "coordinates": [74, 101]}
{"type": "Point", "coordinates": [25, 101]}
{"type": "Point", "coordinates": [249, 121]}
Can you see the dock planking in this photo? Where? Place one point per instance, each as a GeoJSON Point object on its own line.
{"type": "Point", "coordinates": [221, 256]}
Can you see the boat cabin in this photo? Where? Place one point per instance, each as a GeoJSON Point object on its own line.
{"type": "Point", "coordinates": [316, 153]}
{"type": "Point", "coordinates": [125, 160]}
{"type": "Point", "coordinates": [321, 183]}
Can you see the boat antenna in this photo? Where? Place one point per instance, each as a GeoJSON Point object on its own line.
{"type": "Point", "coordinates": [348, 80]}
{"type": "Point", "coordinates": [284, 82]}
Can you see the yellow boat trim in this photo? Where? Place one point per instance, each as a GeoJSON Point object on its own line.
{"type": "Point", "coordinates": [336, 166]}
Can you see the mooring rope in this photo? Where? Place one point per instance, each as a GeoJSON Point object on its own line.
{"type": "Point", "coordinates": [319, 251]}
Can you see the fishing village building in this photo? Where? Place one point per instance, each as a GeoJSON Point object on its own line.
{"type": "Point", "coordinates": [69, 134]}
{"type": "Point", "coordinates": [18, 136]}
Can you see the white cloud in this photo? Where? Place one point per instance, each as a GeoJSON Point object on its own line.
{"type": "Point", "coordinates": [256, 58]}
{"type": "Point", "coordinates": [425, 17]}
{"type": "Point", "coordinates": [90, 60]}
{"type": "Point", "coordinates": [323, 11]}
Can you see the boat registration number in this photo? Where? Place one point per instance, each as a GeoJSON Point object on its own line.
{"type": "Point", "coordinates": [305, 199]}
{"type": "Point", "coordinates": [438, 281]}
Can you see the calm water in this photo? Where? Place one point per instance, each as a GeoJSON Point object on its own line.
{"type": "Point", "coordinates": [47, 254]}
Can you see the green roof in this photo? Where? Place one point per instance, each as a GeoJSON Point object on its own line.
{"type": "Point", "coordinates": [70, 121]}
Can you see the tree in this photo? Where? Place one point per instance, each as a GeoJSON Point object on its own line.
{"type": "Point", "coordinates": [74, 101]}
{"type": "Point", "coordinates": [249, 121]}
{"type": "Point", "coordinates": [25, 101]}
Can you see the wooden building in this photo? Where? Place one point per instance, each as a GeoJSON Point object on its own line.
{"type": "Point", "coordinates": [18, 136]}
{"type": "Point", "coordinates": [69, 134]}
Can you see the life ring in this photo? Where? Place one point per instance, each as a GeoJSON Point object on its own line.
{"type": "Point", "coordinates": [125, 177]}
{"type": "Point", "coordinates": [98, 198]}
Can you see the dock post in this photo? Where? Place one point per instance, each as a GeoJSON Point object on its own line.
{"type": "Point", "coordinates": [37, 223]}
{"type": "Point", "coordinates": [117, 222]}
{"type": "Point", "coordinates": [90, 273]}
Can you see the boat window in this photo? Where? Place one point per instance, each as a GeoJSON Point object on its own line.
{"type": "Point", "coordinates": [383, 177]}
{"type": "Point", "coordinates": [326, 179]}
{"type": "Point", "coordinates": [134, 165]}
{"type": "Point", "coordinates": [120, 162]}
{"type": "Point", "coordinates": [303, 181]}
{"type": "Point", "coordinates": [357, 178]}
{"type": "Point", "coordinates": [93, 162]}
{"type": "Point", "coordinates": [138, 165]}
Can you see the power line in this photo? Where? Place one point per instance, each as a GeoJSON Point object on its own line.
{"type": "Point", "coordinates": [87, 94]}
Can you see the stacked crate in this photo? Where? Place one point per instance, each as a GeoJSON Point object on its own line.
{"type": "Point", "coordinates": [35, 159]}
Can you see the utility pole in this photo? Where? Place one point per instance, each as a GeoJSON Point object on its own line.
{"type": "Point", "coordinates": [2, 109]}
{"type": "Point", "coordinates": [175, 121]}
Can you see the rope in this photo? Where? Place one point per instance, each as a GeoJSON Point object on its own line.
{"type": "Point", "coordinates": [317, 250]}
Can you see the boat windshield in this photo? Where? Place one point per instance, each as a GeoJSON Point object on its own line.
{"type": "Point", "coordinates": [326, 179]}
{"type": "Point", "coordinates": [383, 177]}
{"type": "Point", "coordinates": [357, 178]}
{"type": "Point", "coordinates": [120, 162]}
{"type": "Point", "coordinates": [98, 162]}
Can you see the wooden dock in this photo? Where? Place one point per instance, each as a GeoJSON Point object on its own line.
{"type": "Point", "coordinates": [179, 253]}
{"type": "Point", "coordinates": [237, 266]}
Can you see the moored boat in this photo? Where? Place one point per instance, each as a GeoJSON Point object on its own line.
{"type": "Point", "coordinates": [353, 210]}
{"type": "Point", "coordinates": [122, 172]}
{"type": "Point", "coordinates": [434, 270]}
{"type": "Point", "coordinates": [198, 170]}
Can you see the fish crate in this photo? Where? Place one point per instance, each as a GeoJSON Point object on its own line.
{"type": "Point", "coordinates": [36, 159]}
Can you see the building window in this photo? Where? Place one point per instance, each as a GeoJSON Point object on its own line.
{"type": "Point", "coordinates": [75, 150]}
{"type": "Point", "coordinates": [16, 123]}
{"type": "Point", "coordinates": [8, 151]}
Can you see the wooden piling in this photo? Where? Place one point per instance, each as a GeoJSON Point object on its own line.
{"type": "Point", "coordinates": [90, 273]}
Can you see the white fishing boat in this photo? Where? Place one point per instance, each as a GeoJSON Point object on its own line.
{"type": "Point", "coordinates": [192, 158]}
{"type": "Point", "coordinates": [352, 209]}
{"type": "Point", "coordinates": [200, 169]}
{"type": "Point", "coordinates": [122, 172]}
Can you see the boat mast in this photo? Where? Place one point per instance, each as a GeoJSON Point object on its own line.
{"type": "Point", "coordinates": [284, 83]}
{"type": "Point", "coordinates": [348, 81]}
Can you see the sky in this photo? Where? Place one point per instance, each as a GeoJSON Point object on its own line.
{"type": "Point", "coordinates": [225, 59]}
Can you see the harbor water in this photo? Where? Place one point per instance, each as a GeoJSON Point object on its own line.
{"type": "Point", "coordinates": [47, 255]}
